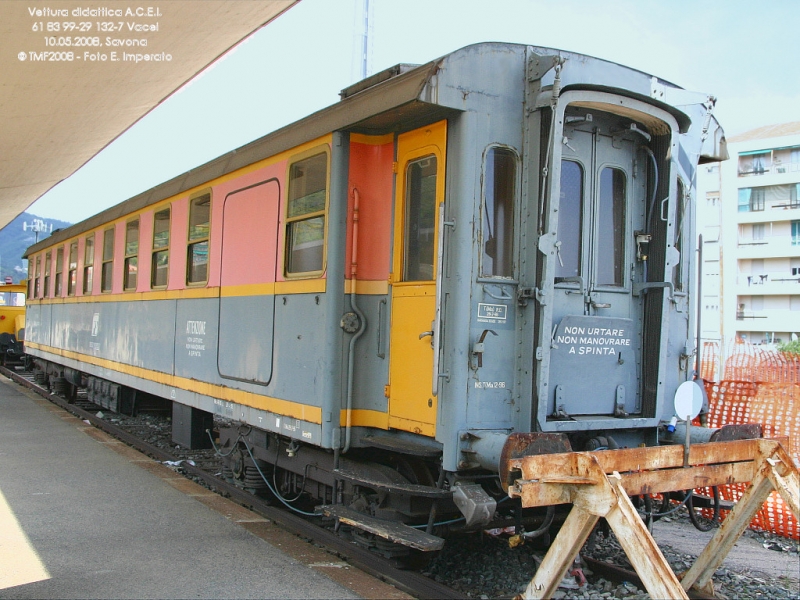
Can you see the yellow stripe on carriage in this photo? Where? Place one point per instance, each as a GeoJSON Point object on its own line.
{"type": "Point", "coordinates": [310, 414]}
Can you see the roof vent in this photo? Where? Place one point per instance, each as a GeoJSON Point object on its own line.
{"type": "Point", "coordinates": [375, 79]}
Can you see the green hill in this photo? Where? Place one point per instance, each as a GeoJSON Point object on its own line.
{"type": "Point", "coordinates": [16, 237]}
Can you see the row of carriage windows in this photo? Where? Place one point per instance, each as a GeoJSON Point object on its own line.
{"type": "Point", "coordinates": [197, 256]}
{"type": "Point", "coordinates": [305, 229]}
{"type": "Point", "coordinates": [305, 233]}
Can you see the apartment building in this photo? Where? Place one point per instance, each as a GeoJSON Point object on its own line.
{"type": "Point", "coordinates": [749, 214]}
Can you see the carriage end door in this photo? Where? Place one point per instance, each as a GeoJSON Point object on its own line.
{"type": "Point", "coordinates": [597, 321]}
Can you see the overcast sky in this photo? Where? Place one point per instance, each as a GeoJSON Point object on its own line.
{"type": "Point", "coordinates": [742, 51]}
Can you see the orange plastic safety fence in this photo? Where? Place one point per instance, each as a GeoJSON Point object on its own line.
{"type": "Point", "coordinates": [773, 404]}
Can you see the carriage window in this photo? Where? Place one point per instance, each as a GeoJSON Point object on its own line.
{"type": "Point", "coordinates": [59, 271]}
{"type": "Point", "coordinates": [37, 287]}
{"type": "Point", "coordinates": [31, 277]}
{"type": "Point", "coordinates": [48, 271]}
{"type": "Point", "coordinates": [108, 260]}
{"type": "Point", "coordinates": [72, 281]}
{"type": "Point", "coordinates": [88, 264]}
{"type": "Point", "coordinates": [199, 229]}
{"type": "Point", "coordinates": [570, 213]}
{"type": "Point", "coordinates": [498, 213]}
{"type": "Point", "coordinates": [420, 220]}
{"type": "Point", "coordinates": [305, 214]}
{"type": "Point", "coordinates": [131, 254]}
{"type": "Point", "coordinates": [160, 259]}
{"type": "Point", "coordinates": [611, 227]}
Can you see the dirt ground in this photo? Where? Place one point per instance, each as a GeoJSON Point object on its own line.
{"type": "Point", "coordinates": [748, 556]}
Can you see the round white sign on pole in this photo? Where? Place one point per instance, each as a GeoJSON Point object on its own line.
{"type": "Point", "coordinates": [688, 400]}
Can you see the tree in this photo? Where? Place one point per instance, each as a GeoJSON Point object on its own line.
{"type": "Point", "coordinates": [792, 347]}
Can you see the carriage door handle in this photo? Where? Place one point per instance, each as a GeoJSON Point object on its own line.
{"type": "Point", "coordinates": [600, 304]}
{"type": "Point", "coordinates": [426, 334]}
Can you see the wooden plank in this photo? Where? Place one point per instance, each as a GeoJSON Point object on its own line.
{"type": "Point", "coordinates": [641, 549]}
{"type": "Point", "coordinates": [636, 459]}
{"type": "Point", "coordinates": [399, 533]}
{"type": "Point", "coordinates": [670, 480]}
{"type": "Point", "coordinates": [543, 492]}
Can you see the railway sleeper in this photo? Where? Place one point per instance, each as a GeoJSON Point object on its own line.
{"type": "Point", "coordinates": [599, 485]}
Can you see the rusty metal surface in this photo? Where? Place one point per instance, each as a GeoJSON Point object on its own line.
{"type": "Point", "coordinates": [729, 433]}
{"type": "Point", "coordinates": [519, 445]}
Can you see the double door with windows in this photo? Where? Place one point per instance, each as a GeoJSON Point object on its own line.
{"type": "Point", "coordinates": [597, 320]}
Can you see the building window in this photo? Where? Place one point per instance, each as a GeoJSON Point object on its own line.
{"type": "Point", "coordinates": [88, 264]}
{"type": "Point", "coordinates": [752, 199]}
{"type": "Point", "coordinates": [107, 273]}
{"type": "Point", "coordinates": [305, 215]}
{"type": "Point", "coordinates": [72, 281]}
{"type": "Point", "coordinates": [160, 259]}
{"type": "Point", "coordinates": [499, 190]}
{"type": "Point", "coordinates": [131, 263]}
{"type": "Point", "coordinates": [199, 230]}
{"type": "Point", "coordinates": [795, 233]}
{"type": "Point", "coordinates": [754, 163]}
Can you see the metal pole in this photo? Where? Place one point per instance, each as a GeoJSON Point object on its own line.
{"type": "Point", "coordinates": [699, 358]}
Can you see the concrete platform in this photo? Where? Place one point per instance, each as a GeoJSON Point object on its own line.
{"type": "Point", "coordinates": [84, 516]}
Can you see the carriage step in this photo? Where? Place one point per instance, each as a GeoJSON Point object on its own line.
{"type": "Point", "coordinates": [398, 533]}
{"type": "Point", "coordinates": [403, 446]}
{"type": "Point", "coordinates": [407, 489]}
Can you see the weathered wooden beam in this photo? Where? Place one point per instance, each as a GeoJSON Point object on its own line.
{"type": "Point", "coordinates": [583, 479]}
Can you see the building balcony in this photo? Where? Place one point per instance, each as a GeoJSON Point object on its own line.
{"type": "Point", "coordinates": [770, 247]}
{"type": "Point", "coordinates": [767, 284]}
{"type": "Point", "coordinates": [771, 173]}
{"type": "Point", "coordinates": [782, 211]}
{"type": "Point", "coordinates": [767, 320]}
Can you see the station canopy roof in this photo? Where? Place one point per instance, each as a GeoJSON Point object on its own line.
{"type": "Point", "coordinates": [55, 115]}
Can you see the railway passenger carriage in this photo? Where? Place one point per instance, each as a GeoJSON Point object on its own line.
{"type": "Point", "coordinates": [498, 242]}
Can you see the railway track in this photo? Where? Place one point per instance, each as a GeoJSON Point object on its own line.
{"type": "Point", "coordinates": [411, 582]}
